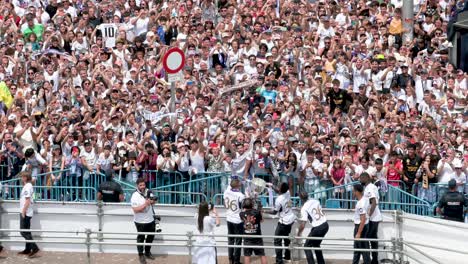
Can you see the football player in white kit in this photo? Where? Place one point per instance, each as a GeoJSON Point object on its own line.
{"type": "Point", "coordinates": [283, 207]}
{"type": "Point", "coordinates": [233, 199]}
{"type": "Point", "coordinates": [312, 212]}
{"type": "Point", "coordinates": [361, 227]}
{"type": "Point", "coordinates": [371, 192]}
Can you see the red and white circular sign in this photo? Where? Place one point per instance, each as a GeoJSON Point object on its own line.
{"type": "Point", "coordinates": [173, 60]}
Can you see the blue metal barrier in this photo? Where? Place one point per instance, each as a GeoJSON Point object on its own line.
{"type": "Point", "coordinates": [155, 178]}
{"type": "Point", "coordinates": [165, 197]}
{"type": "Point", "coordinates": [67, 188]}
{"type": "Point", "coordinates": [398, 199]}
{"type": "Point", "coordinates": [200, 183]}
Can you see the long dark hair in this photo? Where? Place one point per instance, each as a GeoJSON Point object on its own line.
{"type": "Point", "coordinates": [203, 210]}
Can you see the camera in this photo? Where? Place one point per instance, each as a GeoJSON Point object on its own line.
{"type": "Point", "coordinates": [151, 196]}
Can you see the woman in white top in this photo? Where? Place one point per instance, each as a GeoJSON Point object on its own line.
{"type": "Point", "coordinates": [205, 226]}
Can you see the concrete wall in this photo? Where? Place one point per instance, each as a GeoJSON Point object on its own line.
{"type": "Point", "coordinates": [180, 220]}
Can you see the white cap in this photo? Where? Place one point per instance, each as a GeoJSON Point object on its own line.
{"type": "Point", "coordinates": [402, 97]}
{"type": "Point", "coordinates": [457, 163]}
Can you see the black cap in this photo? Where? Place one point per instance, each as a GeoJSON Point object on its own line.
{"type": "Point", "coordinates": [452, 183]}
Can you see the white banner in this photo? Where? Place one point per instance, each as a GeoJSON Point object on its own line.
{"type": "Point", "coordinates": [237, 86]}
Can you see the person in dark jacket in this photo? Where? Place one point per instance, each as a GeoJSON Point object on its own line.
{"type": "Point", "coordinates": [451, 205]}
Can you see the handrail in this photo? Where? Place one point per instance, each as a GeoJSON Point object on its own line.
{"type": "Point", "coordinates": [96, 238]}
{"type": "Point", "coordinates": [191, 181]}
{"type": "Point", "coordinates": [421, 252]}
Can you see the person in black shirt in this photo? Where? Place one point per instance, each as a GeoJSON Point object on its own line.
{"type": "Point", "coordinates": [110, 191]}
{"type": "Point", "coordinates": [451, 204]}
{"type": "Point", "coordinates": [411, 163]}
{"type": "Point", "coordinates": [338, 98]}
{"type": "Point", "coordinates": [252, 219]}
{"type": "Point", "coordinates": [403, 78]}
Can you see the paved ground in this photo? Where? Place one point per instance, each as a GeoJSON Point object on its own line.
{"type": "Point", "coordinates": [80, 258]}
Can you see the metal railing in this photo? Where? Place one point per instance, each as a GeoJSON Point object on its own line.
{"type": "Point", "coordinates": [395, 248]}
{"type": "Point", "coordinates": [172, 189]}
{"type": "Point", "coordinates": [67, 188]}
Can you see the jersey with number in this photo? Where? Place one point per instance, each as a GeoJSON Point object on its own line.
{"type": "Point", "coordinates": [312, 212]}
{"type": "Point", "coordinates": [233, 202]}
{"type": "Point", "coordinates": [362, 208]}
{"type": "Point", "coordinates": [371, 191]}
{"type": "Point", "coordinates": [109, 33]}
{"type": "Point", "coordinates": [283, 205]}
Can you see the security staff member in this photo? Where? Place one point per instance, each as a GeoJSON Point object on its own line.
{"type": "Point", "coordinates": [361, 227]}
{"type": "Point", "coordinates": [233, 199]}
{"type": "Point", "coordinates": [144, 219]}
{"type": "Point", "coordinates": [372, 193]}
{"type": "Point", "coordinates": [311, 212]}
{"type": "Point", "coordinates": [452, 202]}
{"type": "Point", "coordinates": [283, 207]}
{"type": "Point", "coordinates": [110, 191]}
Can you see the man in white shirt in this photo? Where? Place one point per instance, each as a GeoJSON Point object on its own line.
{"type": "Point", "coordinates": [233, 199]}
{"type": "Point", "coordinates": [283, 207]}
{"type": "Point", "coordinates": [88, 159]}
{"type": "Point", "coordinates": [312, 212]}
{"type": "Point", "coordinates": [144, 218]}
{"type": "Point", "coordinates": [371, 192]}
{"type": "Point", "coordinates": [26, 213]}
{"type": "Point", "coordinates": [26, 133]}
{"type": "Point", "coordinates": [310, 171]}
{"type": "Point", "coordinates": [361, 227]}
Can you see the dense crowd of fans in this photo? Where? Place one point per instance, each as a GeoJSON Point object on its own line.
{"type": "Point", "coordinates": [315, 92]}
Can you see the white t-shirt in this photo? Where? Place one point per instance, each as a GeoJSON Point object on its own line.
{"type": "Point", "coordinates": [144, 217]}
{"type": "Point", "coordinates": [141, 26]}
{"type": "Point", "coordinates": [283, 206]}
{"type": "Point", "coordinates": [90, 157]}
{"type": "Point", "coordinates": [311, 211]}
{"type": "Point", "coordinates": [27, 192]}
{"type": "Point", "coordinates": [459, 179]}
{"type": "Point", "coordinates": [370, 192]}
{"type": "Point", "coordinates": [362, 207]}
{"type": "Point", "coordinates": [233, 202]}
{"type": "Point", "coordinates": [26, 140]}
{"type": "Point", "coordinates": [238, 164]}
{"type": "Point", "coordinates": [309, 171]}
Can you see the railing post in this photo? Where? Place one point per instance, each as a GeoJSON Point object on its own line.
{"type": "Point", "coordinates": [88, 244]}
{"type": "Point", "coordinates": [100, 214]}
{"type": "Point", "coordinates": [189, 245]}
{"type": "Point", "coordinates": [399, 235]}
{"type": "Point", "coordinates": [394, 249]}
{"type": "Point", "coordinates": [1, 213]}
{"type": "Point", "coordinates": [291, 246]}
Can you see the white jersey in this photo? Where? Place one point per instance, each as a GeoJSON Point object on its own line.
{"type": "Point", "coordinates": [371, 191]}
{"type": "Point", "coordinates": [312, 212]}
{"type": "Point", "coordinates": [283, 206]}
{"type": "Point", "coordinates": [233, 202]}
{"type": "Point", "coordinates": [144, 217]}
{"type": "Point", "coordinates": [362, 207]}
{"type": "Point", "coordinates": [27, 192]}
